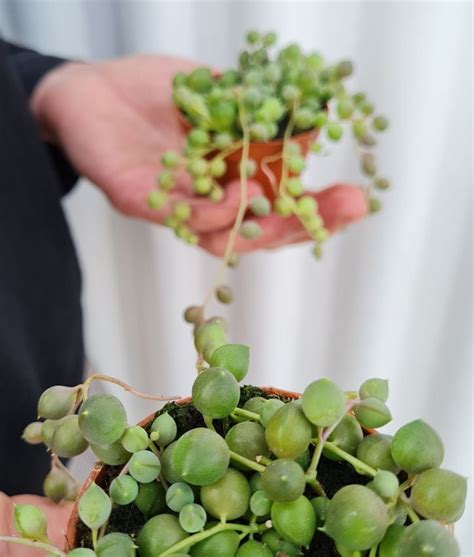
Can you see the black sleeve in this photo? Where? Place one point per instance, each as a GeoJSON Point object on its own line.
{"type": "Point", "coordinates": [30, 66]}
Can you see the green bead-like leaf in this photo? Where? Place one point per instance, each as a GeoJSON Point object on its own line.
{"type": "Point", "coordinates": [386, 484]}
{"type": "Point", "coordinates": [427, 538]}
{"type": "Point", "coordinates": [159, 533]}
{"type": "Point", "coordinates": [151, 499]}
{"type": "Point", "coordinates": [192, 518]}
{"type": "Point", "coordinates": [215, 392]}
{"type": "Point", "coordinates": [260, 504]}
{"type": "Point", "coordinates": [233, 357]}
{"type": "Point", "coordinates": [389, 545]}
{"type": "Point", "coordinates": [247, 439]}
{"type": "Point", "coordinates": [324, 403]}
{"type": "Point", "coordinates": [347, 436]}
{"type": "Point", "coordinates": [32, 433]}
{"type": "Point", "coordinates": [295, 521]}
{"type": "Point", "coordinates": [288, 433]}
{"type": "Point", "coordinates": [68, 440]}
{"type": "Point", "coordinates": [372, 413]}
{"type": "Point", "coordinates": [135, 439]}
{"type": "Point", "coordinates": [283, 480]}
{"type": "Point", "coordinates": [163, 430]}
{"type": "Point", "coordinates": [30, 522]}
{"type": "Point", "coordinates": [123, 490]}
{"type": "Point", "coordinates": [253, 548]}
{"type": "Point", "coordinates": [439, 495]}
{"type": "Point", "coordinates": [113, 454]}
{"type": "Point", "coordinates": [199, 457]}
{"type": "Point", "coordinates": [356, 518]}
{"type": "Point", "coordinates": [268, 409]}
{"type": "Point", "coordinates": [57, 402]}
{"type": "Point", "coordinates": [102, 419]}
{"type": "Point", "coordinates": [94, 507]}
{"type": "Point", "coordinates": [272, 539]}
{"type": "Point", "coordinates": [228, 498]}
{"type": "Point", "coordinates": [416, 447]}
{"type": "Point", "coordinates": [375, 450]}
{"type": "Point", "coordinates": [223, 544]}
{"type": "Point", "coordinates": [82, 552]}
{"type": "Point", "coordinates": [144, 466]}
{"type": "Point", "coordinates": [116, 545]}
{"type": "Point", "coordinates": [178, 496]}
{"type": "Point", "coordinates": [374, 388]}
{"type": "Point", "coordinates": [56, 485]}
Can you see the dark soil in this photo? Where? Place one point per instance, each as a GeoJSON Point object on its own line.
{"type": "Point", "coordinates": [129, 520]}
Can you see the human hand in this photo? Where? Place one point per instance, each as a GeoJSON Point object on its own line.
{"type": "Point", "coordinates": [114, 120]}
{"type": "Point", "coordinates": [57, 514]}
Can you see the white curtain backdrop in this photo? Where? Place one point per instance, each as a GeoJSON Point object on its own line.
{"type": "Point", "coordinates": [392, 296]}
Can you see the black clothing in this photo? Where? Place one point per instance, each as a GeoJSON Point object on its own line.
{"type": "Point", "coordinates": [40, 315]}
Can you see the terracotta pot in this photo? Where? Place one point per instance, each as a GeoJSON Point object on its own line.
{"type": "Point", "coordinates": [99, 471]}
{"type": "Point", "coordinates": [259, 151]}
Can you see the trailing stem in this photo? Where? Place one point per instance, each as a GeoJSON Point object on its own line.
{"type": "Point", "coordinates": [34, 544]}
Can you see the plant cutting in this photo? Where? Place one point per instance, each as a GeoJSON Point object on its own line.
{"type": "Point", "coordinates": [259, 121]}
{"type": "Point", "coordinates": [241, 471]}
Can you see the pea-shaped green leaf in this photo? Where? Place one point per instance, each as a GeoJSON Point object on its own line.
{"type": "Point", "coordinates": [215, 393]}
{"type": "Point", "coordinates": [260, 504]}
{"type": "Point", "coordinates": [247, 439]}
{"type": "Point", "coordinates": [320, 505]}
{"type": "Point", "coordinates": [56, 484]}
{"type": "Point", "coordinates": [255, 404]}
{"type": "Point", "coordinates": [47, 431]}
{"type": "Point", "coordinates": [324, 403]}
{"type": "Point", "coordinates": [168, 466]}
{"type": "Point", "coordinates": [228, 498]}
{"type": "Point", "coordinates": [255, 482]}
{"type": "Point", "coordinates": [427, 538]}
{"type": "Point", "coordinates": [374, 388]}
{"type": "Point", "coordinates": [135, 439]}
{"type": "Point", "coordinates": [192, 518]}
{"type": "Point", "coordinates": [253, 548]}
{"type": "Point", "coordinates": [389, 545]}
{"type": "Point", "coordinates": [356, 518]}
{"type": "Point", "coordinates": [123, 490]}
{"type": "Point", "coordinates": [57, 402]}
{"type": "Point", "coordinates": [295, 521]}
{"type": "Point", "coordinates": [223, 544]}
{"type": "Point", "coordinates": [386, 484]}
{"type": "Point", "coordinates": [375, 450]}
{"type": "Point", "coordinates": [200, 457]}
{"type": "Point", "coordinates": [163, 430]}
{"type": "Point", "coordinates": [113, 454]}
{"type": "Point", "coordinates": [209, 337]}
{"type": "Point", "coordinates": [283, 480]}
{"type": "Point", "coordinates": [30, 522]}
{"type": "Point", "coordinates": [151, 499]}
{"type": "Point", "coordinates": [159, 533]}
{"type": "Point", "coordinates": [272, 539]}
{"type": "Point", "coordinates": [32, 433]}
{"type": "Point", "coordinates": [178, 495]}
{"type": "Point", "coordinates": [116, 545]}
{"type": "Point", "coordinates": [347, 436]}
{"type": "Point", "coordinates": [288, 433]}
{"type": "Point", "coordinates": [439, 495]}
{"type": "Point", "coordinates": [102, 419]}
{"type": "Point", "coordinates": [82, 552]}
{"type": "Point", "coordinates": [372, 412]}
{"type": "Point", "coordinates": [144, 466]}
{"type": "Point", "coordinates": [268, 410]}
{"type": "Point", "coordinates": [233, 357]}
{"type": "Point", "coordinates": [68, 440]}
{"type": "Point", "coordinates": [416, 447]}
{"type": "Point", "coordinates": [94, 507]}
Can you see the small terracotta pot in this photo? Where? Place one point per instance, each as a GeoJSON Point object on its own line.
{"type": "Point", "coordinates": [99, 472]}
{"type": "Point", "coordinates": [258, 152]}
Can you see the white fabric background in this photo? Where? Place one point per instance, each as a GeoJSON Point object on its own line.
{"type": "Point", "coordinates": [392, 296]}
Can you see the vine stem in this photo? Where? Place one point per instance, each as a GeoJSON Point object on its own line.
{"type": "Point", "coordinates": [243, 202]}
{"type": "Point", "coordinates": [124, 386]}
{"type": "Point", "coordinates": [311, 472]}
{"type": "Point", "coordinates": [221, 527]}
{"type": "Point", "coordinates": [411, 513]}
{"type": "Point", "coordinates": [246, 414]}
{"type": "Point", "coordinates": [355, 462]}
{"type": "Point", "coordinates": [35, 544]}
{"type": "Point", "coordinates": [247, 462]}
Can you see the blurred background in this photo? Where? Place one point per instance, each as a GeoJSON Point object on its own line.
{"type": "Point", "coordinates": [392, 296]}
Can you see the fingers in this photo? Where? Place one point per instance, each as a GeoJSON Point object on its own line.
{"type": "Point", "coordinates": [339, 205]}
{"type": "Point", "coordinates": [208, 216]}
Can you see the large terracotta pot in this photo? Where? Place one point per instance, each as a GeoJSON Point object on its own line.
{"type": "Point", "coordinates": [259, 151]}
{"type": "Point", "coordinates": [99, 472]}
